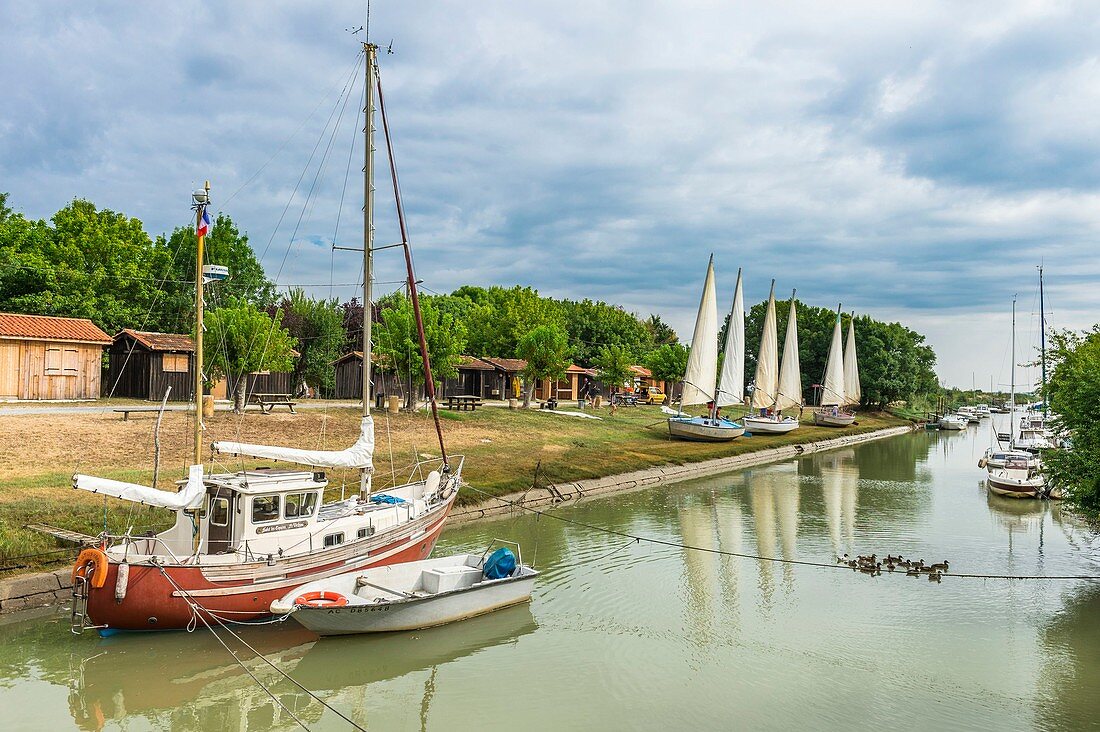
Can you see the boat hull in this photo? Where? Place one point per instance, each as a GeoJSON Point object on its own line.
{"type": "Point", "coordinates": [699, 429]}
{"type": "Point", "coordinates": [156, 596]}
{"type": "Point", "coordinates": [841, 419]}
{"type": "Point", "coordinates": [1013, 488]}
{"type": "Point", "coordinates": [769, 426]}
{"type": "Point", "coordinates": [416, 614]}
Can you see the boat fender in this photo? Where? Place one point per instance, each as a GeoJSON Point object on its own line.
{"type": "Point", "coordinates": [500, 564]}
{"type": "Point", "coordinates": [321, 599]}
{"type": "Point", "coordinates": [92, 563]}
{"type": "Point", "coordinates": [121, 581]}
{"type": "Point", "coordinates": [981, 462]}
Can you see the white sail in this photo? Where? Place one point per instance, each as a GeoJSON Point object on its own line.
{"type": "Point", "coordinates": [833, 386]}
{"type": "Point", "coordinates": [360, 455]}
{"type": "Point", "coordinates": [702, 365]}
{"type": "Point", "coordinates": [767, 360]}
{"type": "Point", "coordinates": [731, 383]}
{"type": "Point", "coordinates": [852, 392]}
{"type": "Point", "coordinates": [790, 374]}
{"type": "Point", "coordinates": [191, 496]}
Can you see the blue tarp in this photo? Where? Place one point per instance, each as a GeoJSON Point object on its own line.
{"type": "Point", "coordinates": [500, 564]}
{"type": "Point", "coordinates": [383, 498]}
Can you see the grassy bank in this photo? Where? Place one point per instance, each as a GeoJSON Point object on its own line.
{"type": "Point", "coordinates": [502, 449]}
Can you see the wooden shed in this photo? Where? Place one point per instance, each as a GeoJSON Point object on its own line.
{"type": "Point", "coordinates": [43, 357]}
{"type": "Point", "coordinates": [143, 365]}
{"type": "Point", "coordinates": [485, 377]}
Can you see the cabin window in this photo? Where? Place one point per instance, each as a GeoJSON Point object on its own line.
{"type": "Point", "coordinates": [298, 505]}
{"type": "Point", "coordinates": [53, 361]}
{"type": "Point", "coordinates": [334, 539]}
{"type": "Point", "coordinates": [265, 508]}
{"type": "Point", "coordinates": [175, 363]}
{"type": "Point", "coordinates": [219, 512]}
{"type": "Point", "coordinates": [365, 532]}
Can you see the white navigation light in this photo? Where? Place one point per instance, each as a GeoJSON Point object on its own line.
{"type": "Point", "coordinates": [200, 197]}
{"type": "Point", "coordinates": [214, 273]}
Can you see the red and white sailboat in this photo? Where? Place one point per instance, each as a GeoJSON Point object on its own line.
{"type": "Point", "coordinates": [243, 539]}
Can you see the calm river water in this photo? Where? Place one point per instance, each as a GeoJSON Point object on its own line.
{"type": "Point", "coordinates": [652, 637]}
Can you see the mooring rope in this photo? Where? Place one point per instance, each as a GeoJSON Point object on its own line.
{"type": "Point", "coordinates": [757, 557]}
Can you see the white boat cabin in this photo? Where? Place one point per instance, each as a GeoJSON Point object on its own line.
{"type": "Point", "coordinates": [256, 514]}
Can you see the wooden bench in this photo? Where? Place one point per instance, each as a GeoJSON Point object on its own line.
{"type": "Point", "coordinates": [267, 402]}
{"type": "Point", "coordinates": [126, 411]}
{"type": "Point", "coordinates": [464, 402]}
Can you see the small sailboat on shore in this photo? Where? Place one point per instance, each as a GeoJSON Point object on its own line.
{"type": "Point", "coordinates": [776, 389]}
{"type": "Point", "coordinates": [700, 377]}
{"type": "Point", "coordinates": [840, 387]}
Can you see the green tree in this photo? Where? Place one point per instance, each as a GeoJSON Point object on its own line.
{"type": "Point", "coordinates": [241, 339]}
{"type": "Point", "coordinates": [396, 340]}
{"type": "Point", "coordinates": [1072, 393]}
{"type": "Point", "coordinates": [5, 210]}
{"type": "Point", "coordinates": [660, 332]}
{"type": "Point", "coordinates": [612, 366]}
{"type": "Point", "coordinates": [225, 245]}
{"type": "Point", "coordinates": [546, 350]}
{"type": "Point", "coordinates": [668, 363]}
{"type": "Point", "coordinates": [318, 327]}
{"type": "Point", "coordinates": [592, 325]}
{"type": "Point", "coordinates": [496, 318]}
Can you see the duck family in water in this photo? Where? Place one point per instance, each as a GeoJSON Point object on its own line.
{"type": "Point", "coordinates": [873, 565]}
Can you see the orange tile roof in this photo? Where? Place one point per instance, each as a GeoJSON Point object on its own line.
{"type": "Point", "coordinates": [641, 371]}
{"type": "Point", "coordinates": [160, 341]}
{"type": "Point", "coordinates": [49, 328]}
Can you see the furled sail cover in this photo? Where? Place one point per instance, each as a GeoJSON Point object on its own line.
{"type": "Point", "coordinates": [731, 385]}
{"type": "Point", "coordinates": [767, 378]}
{"type": "Point", "coordinates": [833, 391]}
{"type": "Point", "coordinates": [190, 497]}
{"type": "Point", "coordinates": [852, 392]}
{"type": "Point", "coordinates": [702, 365]}
{"type": "Point", "coordinates": [790, 373]}
{"type": "Point", "coordinates": [358, 455]}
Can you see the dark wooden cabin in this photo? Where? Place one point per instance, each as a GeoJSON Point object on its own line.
{"type": "Point", "coordinates": [485, 377]}
{"type": "Point", "coordinates": [143, 365]}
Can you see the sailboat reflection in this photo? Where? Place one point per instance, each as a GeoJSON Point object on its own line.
{"type": "Point", "coordinates": [697, 530]}
{"type": "Point", "coordinates": [840, 492]}
{"type": "Point", "coordinates": [199, 686]}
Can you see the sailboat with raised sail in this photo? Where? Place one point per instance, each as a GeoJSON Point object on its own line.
{"type": "Point", "coordinates": [841, 374]}
{"type": "Point", "coordinates": [242, 539]}
{"type": "Point", "coordinates": [776, 389]}
{"type": "Point", "coordinates": [700, 377]}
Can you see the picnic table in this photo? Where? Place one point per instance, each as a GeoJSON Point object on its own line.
{"type": "Point", "coordinates": [464, 402]}
{"type": "Point", "coordinates": [126, 411]}
{"type": "Point", "coordinates": [268, 402]}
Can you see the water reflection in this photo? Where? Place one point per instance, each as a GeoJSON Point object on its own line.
{"type": "Point", "coordinates": [199, 687]}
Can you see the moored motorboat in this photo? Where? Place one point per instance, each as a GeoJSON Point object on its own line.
{"type": "Point", "coordinates": [1019, 478]}
{"type": "Point", "coordinates": [411, 595]}
{"type": "Point", "coordinates": [952, 422]}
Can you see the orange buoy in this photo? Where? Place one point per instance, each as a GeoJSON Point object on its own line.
{"type": "Point", "coordinates": [93, 564]}
{"type": "Point", "coordinates": [321, 599]}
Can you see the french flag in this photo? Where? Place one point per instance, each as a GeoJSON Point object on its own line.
{"type": "Point", "coordinates": [204, 224]}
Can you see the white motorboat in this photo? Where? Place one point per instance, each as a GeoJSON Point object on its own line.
{"type": "Point", "coordinates": [840, 387]}
{"type": "Point", "coordinates": [1032, 440]}
{"type": "Point", "coordinates": [702, 384]}
{"type": "Point", "coordinates": [994, 458]}
{"type": "Point", "coordinates": [1019, 478]}
{"type": "Point", "coordinates": [410, 595]}
{"type": "Point", "coordinates": [776, 390]}
{"type": "Point", "coordinates": [969, 413]}
{"type": "Point", "coordinates": [982, 410]}
{"type": "Point", "coordinates": [952, 422]}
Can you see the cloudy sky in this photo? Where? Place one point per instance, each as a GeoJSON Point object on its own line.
{"type": "Point", "coordinates": [914, 161]}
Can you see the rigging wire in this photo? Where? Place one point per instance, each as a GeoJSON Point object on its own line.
{"type": "Point", "coordinates": [757, 557]}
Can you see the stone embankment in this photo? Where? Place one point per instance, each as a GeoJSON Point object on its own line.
{"type": "Point", "coordinates": [560, 492]}
{"type": "Point", "coordinates": [35, 590]}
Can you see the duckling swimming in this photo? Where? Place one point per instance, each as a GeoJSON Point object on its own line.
{"type": "Point", "coordinates": [934, 576]}
{"type": "Point", "coordinates": [940, 567]}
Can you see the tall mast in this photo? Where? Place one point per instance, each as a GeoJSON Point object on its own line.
{"type": "Point", "coordinates": [201, 199]}
{"type": "Point", "coordinates": [1043, 341]}
{"type": "Point", "coordinates": [1012, 380]}
{"type": "Point", "coordinates": [368, 231]}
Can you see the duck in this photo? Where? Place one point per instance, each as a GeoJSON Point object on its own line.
{"type": "Point", "coordinates": [934, 576]}
{"type": "Point", "coordinates": [912, 572]}
{"type": "Point", "coordinates": [842, 560]}
{"type": "Point", "coordinates": [889, 566]}
{"type": "Point", "coordinates": [940, 567]}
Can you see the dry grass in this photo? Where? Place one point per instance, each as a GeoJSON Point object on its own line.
{"type": "Point", "coordinates": [501, 447]}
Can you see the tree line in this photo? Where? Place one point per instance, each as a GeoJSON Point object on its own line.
{"type": "Point", "coordinates": [102, 265]}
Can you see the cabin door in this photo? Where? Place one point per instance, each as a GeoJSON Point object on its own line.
{"type": "Point", "coordinates": [219, 518]}
{"type": "Point", "coordinates": [10, 371]}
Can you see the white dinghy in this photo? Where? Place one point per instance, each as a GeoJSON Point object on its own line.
{"type": "Point", "coordinates": [410, 595]}
{"type": "Point", "coordinates": [776, 389]}
{"type": "Point", "coordinates": [840, 387]}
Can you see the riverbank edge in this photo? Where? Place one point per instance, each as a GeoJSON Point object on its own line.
{"type": "Point", "coordinates": [45, 589]}
{"type": "Point", "coordinates": [553, 494]}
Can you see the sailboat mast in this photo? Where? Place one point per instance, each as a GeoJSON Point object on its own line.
{"type": "Point", "coordinates": [1043, 341]}
{"type": "Point", "coordinates": [1012, 380]}
{"type": "Point", "coordinates": [368, 219]}
{"type": "Point", "coordinates": [202, 200]}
